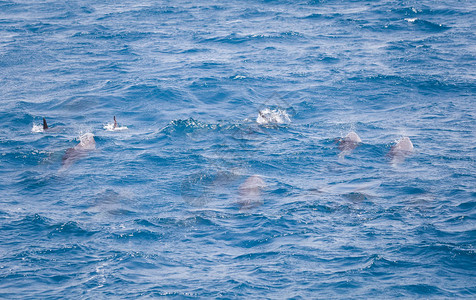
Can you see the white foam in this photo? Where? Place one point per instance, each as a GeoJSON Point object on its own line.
{"type": "Point", "coordinates": [275, 116]}
{"type": "Point", "coordinates": [411, 20]}
{"type": "Point", "coordinates": [37, 128]}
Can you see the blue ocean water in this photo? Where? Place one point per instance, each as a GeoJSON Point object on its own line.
{"type": "Point", "coordinates": [196, 197]}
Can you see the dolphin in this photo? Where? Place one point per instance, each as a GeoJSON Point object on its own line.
{"type": "Point", "coordinates": [250, 192]}
{"type": "Point", "coordinates": [114, 126]}
{"type": "Point", "coordinates": [401, 149]}
{"type": "Point", "coordinates": [349, 142]}
{"type": "Point", "coordinates": [45, 128]}
{"type": "Point", "coordinates": [86, 144]}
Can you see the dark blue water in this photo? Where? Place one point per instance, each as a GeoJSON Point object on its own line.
{"type": "Point", "coordinates": [194, 196]}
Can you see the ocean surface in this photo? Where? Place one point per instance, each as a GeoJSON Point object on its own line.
{"type": "Point", "coordinates": [225, 176]}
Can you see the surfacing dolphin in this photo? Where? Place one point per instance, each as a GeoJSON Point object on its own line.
{"type": "Point", "coordinates": [349, 142]}
{"type": "Point", "coordinates": [402, 149]}
{"type": "Point", "coordinates": [86, 144]}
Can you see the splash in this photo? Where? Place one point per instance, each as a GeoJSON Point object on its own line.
{"type": "Point", "coordinates": [275, 116]}
{"type": "Point", "coordinates": [110, 127]}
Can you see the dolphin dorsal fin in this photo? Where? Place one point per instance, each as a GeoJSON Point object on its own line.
{"type": "Point", "coordinates": [115, 122]}
{"type": "Point", "coordinates": [45, 126]}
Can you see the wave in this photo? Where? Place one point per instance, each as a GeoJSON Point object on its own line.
{"type": "Point", "coordinates": [184, 126]}
{"type": "Point", "coordinates": [427, 26]}
{"type": "Point", "coordinates": [69, 228]}
{"type": "Point", "coordinates": [257, 37]}
{"type": "Point", "coordinates": [427, 83]}
{"type": "Point", "coordinates": [138, 234]}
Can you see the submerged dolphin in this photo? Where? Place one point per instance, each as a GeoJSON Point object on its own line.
{"type": "Point", "coordinates": [250, 192]}
{"type": "Point", "coordinates": [401, 149]}
{"type": "Point", "coordinates": [354, 191]}
{"type": "Point", "coordinates": [86, 144]}
{"type": "Point", "coordinates": [349, 142]}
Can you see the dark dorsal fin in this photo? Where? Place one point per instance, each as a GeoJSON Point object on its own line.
{"type": "Point", "coordinates": [115, 122]}
{"type": "Point", "coordinates": [45, 126]}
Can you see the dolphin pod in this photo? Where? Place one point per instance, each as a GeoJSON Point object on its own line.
{"type": "Point", "coordinates": [86, 144]}
{"type": "Point", "coordinates": [251, 190]}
